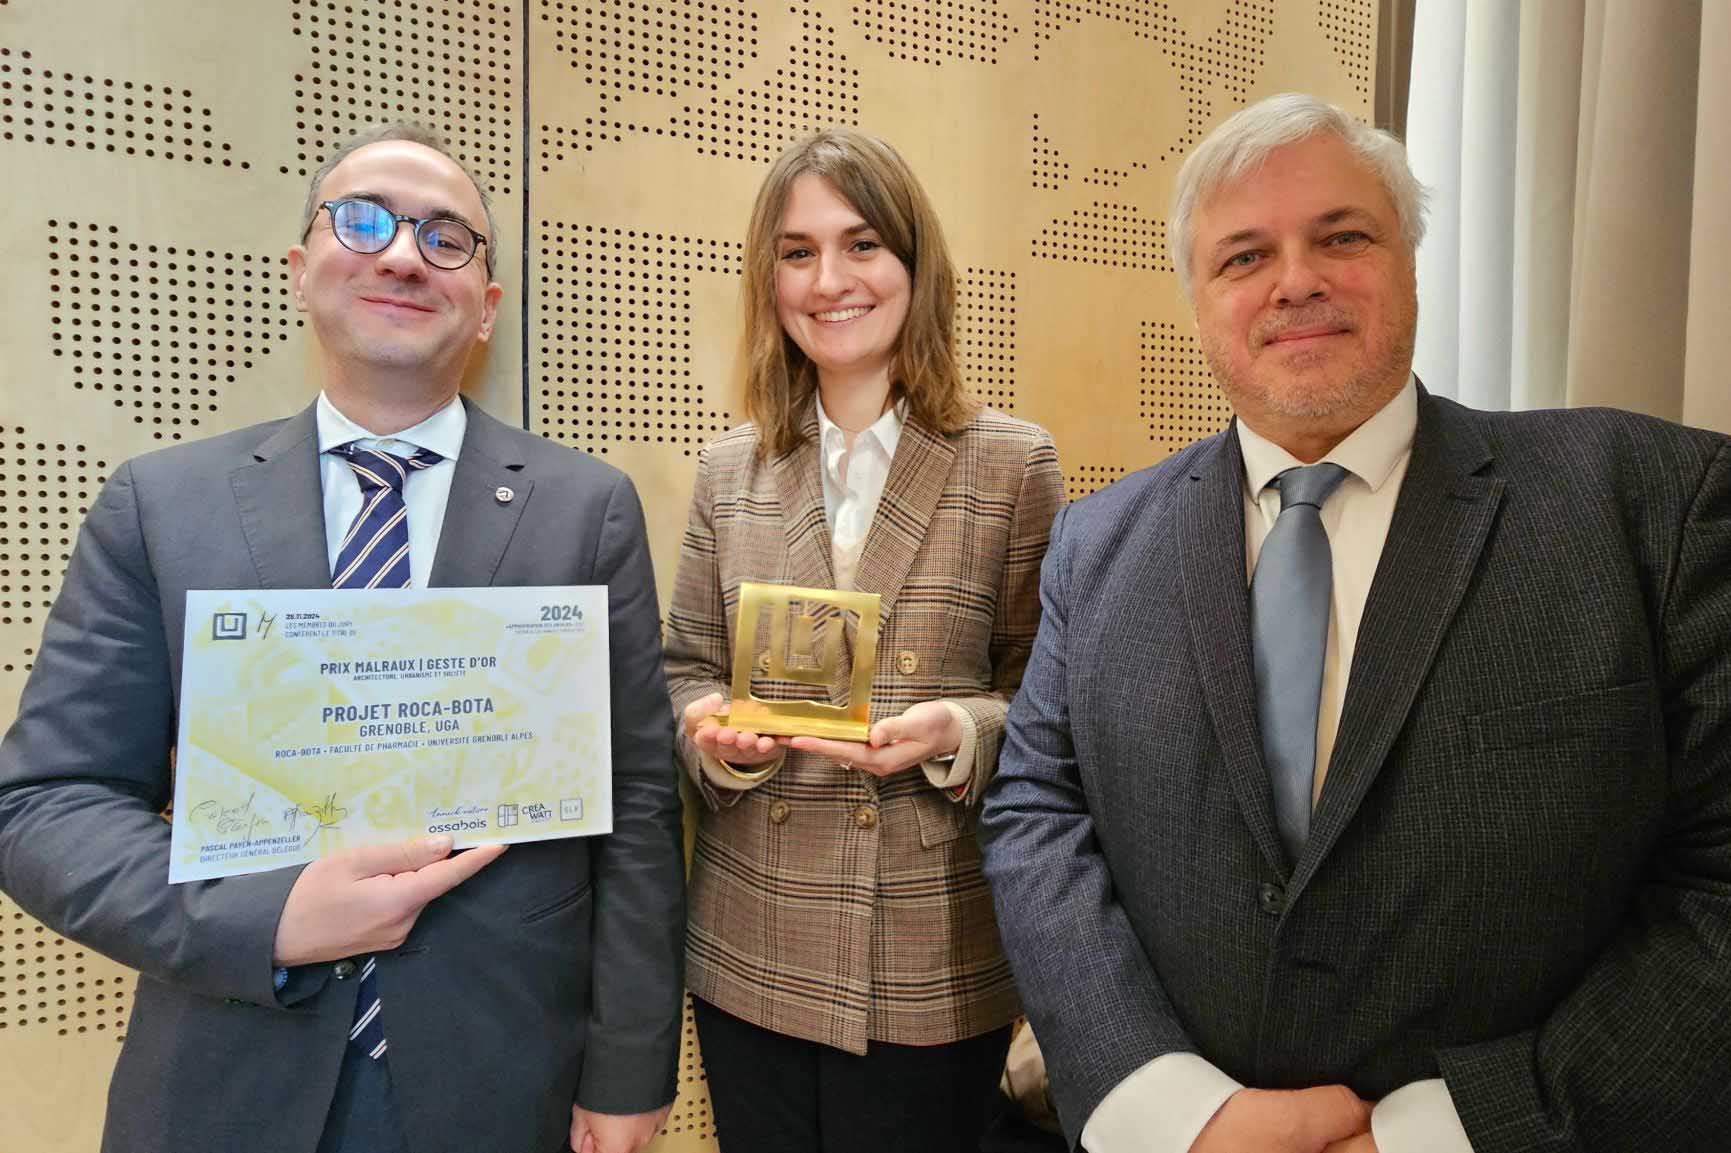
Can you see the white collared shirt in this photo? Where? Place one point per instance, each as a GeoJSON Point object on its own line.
{"type": "Point", "coordinates": [853, 482]}
{"type": "Point", "coordinates": [1165, 1104]}
{"type": "Point", "coordinates": [425, 495]}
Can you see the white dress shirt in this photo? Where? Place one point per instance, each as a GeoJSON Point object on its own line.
{"type": "Point", "coordinates": [1163, 1106]}
{"type": "Point", "coordinates": [425, 494]}
{"type": "Point", "coordinates": [853, 482]}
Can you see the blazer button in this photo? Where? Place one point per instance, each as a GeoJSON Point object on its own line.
{"type": "Point", "coordinates": [778, 812]}
{"type": "Point", "coordinates": [907, 662]}
{"type": "Point", "coordinates": [1272, 898]}
{"type": "Point", "coordinates": [866, 817]}
{"type": "Point", "coordinates": [343, 970]}
{"type": "Point", "coordinates": [763, 660]}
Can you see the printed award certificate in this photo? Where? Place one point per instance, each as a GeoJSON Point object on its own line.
{"type": "Point", "coordinates": [314, 720]}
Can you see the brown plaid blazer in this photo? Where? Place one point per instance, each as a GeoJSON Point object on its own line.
{"type": "Point", "coordinates": [828, 904]}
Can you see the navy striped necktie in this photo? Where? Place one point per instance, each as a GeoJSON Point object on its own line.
{"type": "Point", "coordinates": [375, 555]}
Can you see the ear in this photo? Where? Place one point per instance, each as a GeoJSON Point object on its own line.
{"type": "Point", "coordinates": [297, 273]}
{"type": "Point", "coordinates": [489, 310]}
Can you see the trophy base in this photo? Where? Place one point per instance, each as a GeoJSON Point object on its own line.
{"type": "Point", "coordinates": [772, 726]}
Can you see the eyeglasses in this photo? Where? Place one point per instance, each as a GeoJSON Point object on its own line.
{"type": "Point", "coordinates": [365, 227]}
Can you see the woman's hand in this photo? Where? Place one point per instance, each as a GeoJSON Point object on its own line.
{"type": "Point", "coordinates": [929, 729]}
{"type": "Point", "coordinates": [735, 746]}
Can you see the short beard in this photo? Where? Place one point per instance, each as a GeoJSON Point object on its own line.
{"type": "Point", "coordinates": [1362, 393]}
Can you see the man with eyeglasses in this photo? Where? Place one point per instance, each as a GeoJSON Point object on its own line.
{"type": "Point", "coordinates": [396, 996]}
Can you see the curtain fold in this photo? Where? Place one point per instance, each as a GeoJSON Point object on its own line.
{"type": "Point", "coordinates": [1579, 153]}
{"type": "Point", "coordinates": [1707, 370]}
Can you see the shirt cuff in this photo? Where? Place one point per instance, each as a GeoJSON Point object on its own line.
{"type": "Point", "coordinates": [1419, 1118]}
{"type": "Point", "coordinates": [719, 775]}
{"type": "Point", "coordinates": [1160, 1108]}
{"type": "Point", "coordinates": [953, 776]}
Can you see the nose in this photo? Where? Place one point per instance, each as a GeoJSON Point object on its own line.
{"type": "Point", "coordinates": [402, 256]}
{"type": "Point", "coordinates": [833, 277]}
{"type": "Point", "coordinates": [1300, 279]}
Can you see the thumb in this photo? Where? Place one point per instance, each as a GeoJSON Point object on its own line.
{"type": "Point", "coordinates": [703, 707]}
{"type": "Point", "coordinates": [399, 856]}
{"type": "Point", "coordinates": [1332, 1113]}
{"type": "Point", "coordinates": [889, 730]}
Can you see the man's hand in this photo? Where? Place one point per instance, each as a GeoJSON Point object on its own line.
{"type": "Point", "coordinates": [1286, 1121]}
{"type": "Point", "coordinates": [366, 900]}
{"type": "Point", "coordinates": [928, 729]}
{"type": "Point", "coordinates": [1363, 1143]}
{"type": "Point", "coordinates": [735, 746]}
{"type": "Point", "coordinates": [615, 1132]}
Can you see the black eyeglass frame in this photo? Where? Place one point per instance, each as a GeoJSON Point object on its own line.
{"type": "Point", "coordinates": [398, 219]}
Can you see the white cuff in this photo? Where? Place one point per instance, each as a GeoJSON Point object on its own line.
{"type": "Point", "coordinates": [956, 774]}
{"type": "Point", "coordinates": [1419, 1118]}
{"type": "Point", "coordinates": [1160, 1108]}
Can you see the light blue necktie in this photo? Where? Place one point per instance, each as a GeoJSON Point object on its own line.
{"type": "Point", "coordinates": [375, 555]}
{"type": "Point", "coordinates": [1289, 597]}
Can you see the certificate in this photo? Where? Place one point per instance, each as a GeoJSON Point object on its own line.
{"type": "Point", "coordinates": [317, 720]}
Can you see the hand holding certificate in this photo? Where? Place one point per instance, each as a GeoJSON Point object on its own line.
{"type": "Point", "coordinates": [318, 720]}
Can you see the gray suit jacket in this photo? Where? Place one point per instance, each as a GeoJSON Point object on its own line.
{"type": "Point", "coordinates": [552, 976]}
{"type": "Point", "coordinates": [1518, 876]}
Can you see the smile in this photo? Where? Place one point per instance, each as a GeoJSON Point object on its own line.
{"type": "Point", "coordinates": [842, 315]}
{"type": "Point", "coordinates": [393, 302]}
{"type": "Point", "coordinates": [1302, 335]}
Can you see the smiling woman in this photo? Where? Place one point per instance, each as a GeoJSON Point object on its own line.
{"type": "Point", "coordinates": [848, 984]}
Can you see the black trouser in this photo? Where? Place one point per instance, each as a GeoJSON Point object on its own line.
{"type": "Point", "coordinates": [778, 1094]}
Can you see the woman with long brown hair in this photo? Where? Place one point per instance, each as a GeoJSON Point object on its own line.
{"type": "Point", "coordinates": [851, 992]}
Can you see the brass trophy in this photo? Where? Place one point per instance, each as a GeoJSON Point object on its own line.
{"type": "Point", "coordinates": [797, 653]}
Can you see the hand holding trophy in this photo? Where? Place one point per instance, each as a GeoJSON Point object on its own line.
{"type": "Point", "coordinates": [927, 731]}
{"type": "Point", "coordinates": [807, 642]}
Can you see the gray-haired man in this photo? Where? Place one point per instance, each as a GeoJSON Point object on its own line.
{"type": "Point", "coordinates": [391, 997]}
{"type": "Point", "coordinates": [1370, 784]}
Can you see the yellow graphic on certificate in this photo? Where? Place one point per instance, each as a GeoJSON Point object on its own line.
{"type": "Point", "coordinates": [317, 720]}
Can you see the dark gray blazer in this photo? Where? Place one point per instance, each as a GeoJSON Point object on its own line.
{"type": "Point", "coordinates": [1519, 871]}
{"type": "Point", "coordinates": [553, 976]}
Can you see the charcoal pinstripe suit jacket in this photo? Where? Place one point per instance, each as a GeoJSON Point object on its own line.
{"type": "Point", "coordinates": [1518, 876]}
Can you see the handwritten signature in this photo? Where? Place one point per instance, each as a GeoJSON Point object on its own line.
{"type": "Point", "coordinates": [230, 819]}
{"type": "Point", "coordinates": [325, 814]}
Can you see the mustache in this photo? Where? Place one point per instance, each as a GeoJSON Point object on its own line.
{"type": "Point", "coordinates": [1314, 317]}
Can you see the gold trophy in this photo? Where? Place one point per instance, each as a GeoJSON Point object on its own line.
{"type": "Point", "coordinates": [798, 653]}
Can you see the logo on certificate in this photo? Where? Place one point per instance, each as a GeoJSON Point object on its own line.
{"type": "Point", "coordinates": [571, 809]}
{"type": "Point", "coordinates": [228, 626]}
{"type": "Point", "coordinates": [507, 816]}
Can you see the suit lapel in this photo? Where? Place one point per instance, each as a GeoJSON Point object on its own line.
{"type": "Point", "coordinates": [282, 507]}
{"type": "Point", "coordinates": [1210, 527]}
{"type": "Point", "coordinates": [799, 487]}
{"type": "Point", "coordinates": [1442, 519]}
{"type": "Point", "coordinates": [478, 525]}
{"type": "Point", "coordinates": [918, 473]}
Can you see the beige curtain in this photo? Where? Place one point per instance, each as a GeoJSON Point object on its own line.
{"type": "Point", "coordinates": [1584, 221]}
{"type": "Point", "coordinates": [1707, 361]}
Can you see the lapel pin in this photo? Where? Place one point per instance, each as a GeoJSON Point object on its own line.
{"type": "Point", "coordinates": [503, 494]}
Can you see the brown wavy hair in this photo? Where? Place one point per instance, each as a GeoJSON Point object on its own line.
{"type": "Point", "coordinates": [872, 177]}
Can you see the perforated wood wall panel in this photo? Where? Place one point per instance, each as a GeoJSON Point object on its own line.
{"type": "Point", "coordinates": [155, 157]}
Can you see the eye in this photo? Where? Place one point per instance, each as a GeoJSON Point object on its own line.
{"type": "Point", "coordinates": [447, 235]}
{"type": "Point", "coordinates": [795, 253]}
{"type": "Point", "coordinates": [866, 245]}
{"type": "Point", "coordinates": [1351, 238]}
{"type": "Point", "coordinates": [1239, 261]}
